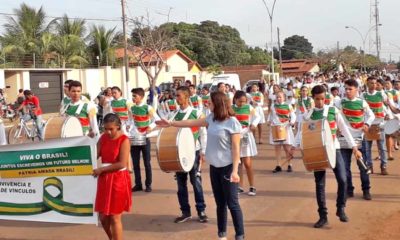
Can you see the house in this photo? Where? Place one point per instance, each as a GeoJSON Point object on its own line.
{"type": "Point", "coordinates": [298, 67]}
{"type": "Point", "coordinates": [178, 66]}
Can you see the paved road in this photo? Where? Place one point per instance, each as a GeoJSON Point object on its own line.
{"type": "Point", "coordinates": [284, 209]}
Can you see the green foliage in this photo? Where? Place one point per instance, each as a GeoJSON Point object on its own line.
{"type": "Point", "coordinates": [296, 47]}
{"type": "Point", "coordinates": [103, 43]}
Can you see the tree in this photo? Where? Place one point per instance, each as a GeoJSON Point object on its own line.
{"type": "Point", "coordinates": [70, 49]}
{"type": "Point", "coordinates": [25, 30]}
{"type": "Point", "coordinates": [66, 26]}
{"type": "Point", "coordinates": [296, 47]}
{"type": "Point", "coordinates": [103, 43]}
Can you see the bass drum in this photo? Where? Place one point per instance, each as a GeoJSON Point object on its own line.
{"type": "Point", "coordinates": [317, 145]}
{"type": "Point", "coordinates": [176, 149]}
{"type": "Point", "coordinates": [62, 127]}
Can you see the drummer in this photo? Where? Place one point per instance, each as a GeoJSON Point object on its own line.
{"type": "Point", "coordinates": [84, 111]}
{"type": "Point", "coordinates": [120, 106]}
{"type": "Point", "coordinates": [142, 117]}
{"type": "Point", "coordinates": [359, 117]}
{"type": "Point", "coordinates": [67, 98]}
{"type": "Point", "coordinates": [376, 100]}
{"type": "Point", "coordinates": [282, 113]}
{"type": "Point", "coordinates": [336, 122]}
{"type": "Point", "coordinates": [170, 104]}
{"type": "Point", "coordinates": [186, 112]}
{"type": "Point", "coordinates": [249, 119]}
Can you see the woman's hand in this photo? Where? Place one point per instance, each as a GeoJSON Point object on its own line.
{"type": "Point", "coordinates": [163, 123]}
{"type": "Point", "coordinates": [97, 172]}
{"type": "Point", "coordinates": [357, 153]}
{"type": "Point", "coordinates": [235, 177]}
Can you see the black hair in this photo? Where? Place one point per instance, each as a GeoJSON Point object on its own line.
{"type": "Point", "coordinates": [317, 90]}
{"type": "Point", "coordinates": [351, 83]}
{"type": "Point", "coordinates": [192, 86]}
{"type": "Point", "coordinates": [28, 92]}
{"type": "Point", "coordinates": [239, 94]}
{"type": "Point", "coordinates": [334, 89]}
{"type": "Point", "coordinates": [67, 82]}
{"type": "Point", "coordinates": [74, 84]}
{"type": "Point", "coordinates": [184, 89]}
{"type": "Point", "coordinates": [380, 81]}
{"type": "Point", "coordinates": [116, 88]}
{"type": "Point", "coordinates": [138, 91]}
{"type": "Point", "coordinates": [219, 84]}
{"type": "Point", "coordinates": [112, 118]}
{"type": "Point", "coordinates": [370, 78]}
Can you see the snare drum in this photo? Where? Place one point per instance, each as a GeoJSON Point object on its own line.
{"type": "Point", "coordinates": [392, 126]}
{"type": "Point", "coordinates": [176, 149]}
{"type": "Point", "coordinates": [317, 145]}
{"type": "Point", "coordinates": [279, 133]}
{"type": "Point", "coordinates": [62, 127]}
{"type": "Point", "coordinates": [345, 145]}
{"type": "Point", "coordinates": [374, 133]}
{"type": "Point", "coordinates": [138, 140]}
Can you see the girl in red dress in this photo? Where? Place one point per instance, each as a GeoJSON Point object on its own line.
{"type": "Point", "coordinates": [114, 182]}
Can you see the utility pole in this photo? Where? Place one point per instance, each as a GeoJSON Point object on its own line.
{"type": "Point", "coordinates": [377, 38]}
{"type": "Point", "coordinates": [280, 51]}
{"type": "Point", "coordinates": [337, 50]}
{"type": "Point", "coordinates": [126, 58]}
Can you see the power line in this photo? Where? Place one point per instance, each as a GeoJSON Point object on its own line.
{"type": "Point", "coordinates": [73, 18]}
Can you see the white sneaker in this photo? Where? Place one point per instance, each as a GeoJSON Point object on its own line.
{"type": "Point", "coordinates": [223, 238]}
{"type": "Point", "coordinates": [252, 191]}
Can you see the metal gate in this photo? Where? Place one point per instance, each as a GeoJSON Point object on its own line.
{"type": "Point", "coordinates": [48, 87]}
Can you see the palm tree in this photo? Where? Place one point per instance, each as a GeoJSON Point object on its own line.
{"type": "Point", "coordinates": [103, 43]}
{"type": "Point", "coordinates": [66, 26]}
{"type": "Point", "coordinates": [25, 30]}
{"type": "Point", "coordinates": [71, 49]}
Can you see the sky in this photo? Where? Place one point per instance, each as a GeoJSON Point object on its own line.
{"type": "Point", "coordinates": [322, 22]}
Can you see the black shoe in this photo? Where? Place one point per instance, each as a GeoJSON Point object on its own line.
{"type": "Point", "coordinates": [342, 215]}
{"type": "Point", "coordinates": [183, 218]}
{"type": "Point", "coordinates": [137, 188]}
{"type": "Point", "coordinates": [289, 168]}
{"type": "Point", "coordinates": [321, 222]}
{"type": "Point", "coordinates": [367, 195]}
{"type": "Point", "coordinates": [203, 217]}
{"type": "Point", "coordinates": [350, 194]}
{"type": "Point", "coordinates": [277, 169]}
{"type": "Point", "coordinates": [148, 189]}
{"type": "Point", "coordinates": [240, 190]}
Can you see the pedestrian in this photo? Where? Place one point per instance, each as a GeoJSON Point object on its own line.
{"type": "Point", "coordinates": [114, 182]}
{"type": "Point", "coordinates": [223, 154]}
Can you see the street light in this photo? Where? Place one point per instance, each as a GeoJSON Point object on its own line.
{"type": "Point", "coordinates": [271, 15]}
{"type": "Point", "coordinates": [98, 61]}
{"type": "Point", "coordinates": [363, 38]}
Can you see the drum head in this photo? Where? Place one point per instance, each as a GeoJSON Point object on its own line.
{"type": "Point", "coordinates": [392, 126]}
{"type": "Point", "coordinates": [329, 144]}
{"type": "Point", "coordinates": [186, 148]}
{"type": "Point", "coordinates": [72, 128]}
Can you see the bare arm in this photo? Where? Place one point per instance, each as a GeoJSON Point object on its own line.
{"type": "Point", "coordinates": [186, 123]}
{"type": "Point", "coordinates": [235, 157]}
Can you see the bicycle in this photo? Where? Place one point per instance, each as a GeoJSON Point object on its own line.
{"type": "Point", "coordinates": [22, 132]}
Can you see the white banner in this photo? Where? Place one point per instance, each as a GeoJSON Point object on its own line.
{"type": "Point", "coordinates": [49, 181]}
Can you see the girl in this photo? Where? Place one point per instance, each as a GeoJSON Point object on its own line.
{"type": "Point", "coordinates": [120, 106]}
{"type": "Point", "coordinates": [249, 119]}
{"type": "Point", "coordinates": [282, 113]}
{"type": "Point", "coordinates": [258, 102]}
{"type": "Point", "coordinates": [170, 105]}
{"type": "Point", "coordinates": [223, 154]}
{"type": "Point", "coordinates": [114, 182]}
{"type": "Point", "coordinates": [304, 104]}
{"type": "Point", "coordinates": [106, 101]}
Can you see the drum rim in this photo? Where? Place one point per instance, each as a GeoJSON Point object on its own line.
{"type": "Point", "coordinates": [325, 123]}
{"type": "Point", "coordinates": [158, 148]}
{"type": "Point", "coordinates": [194, 144]}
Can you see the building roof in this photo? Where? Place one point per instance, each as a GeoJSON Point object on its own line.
{"type": "Point", "coordinates": [297, 67]}
{"type": "Point", "coordinates": [134, 52]}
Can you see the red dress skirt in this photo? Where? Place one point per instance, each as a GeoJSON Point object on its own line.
{"type": "Point", "coordinates": [113, 188]}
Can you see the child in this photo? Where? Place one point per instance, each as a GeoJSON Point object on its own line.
{"type": "Point", "coordinates": [258, 101]}
{"type": "Point", "coordinates": [282, 113]}
{"type": "Point", "coordinates": [114, 182]}
{"type": "Point", "coordinates": [249, 119]}
{"type": "Point", "coordinates": [142, 120]}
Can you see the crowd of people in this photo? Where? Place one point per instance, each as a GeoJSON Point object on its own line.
{"type": "Point", "coordinates": [227, 127]}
